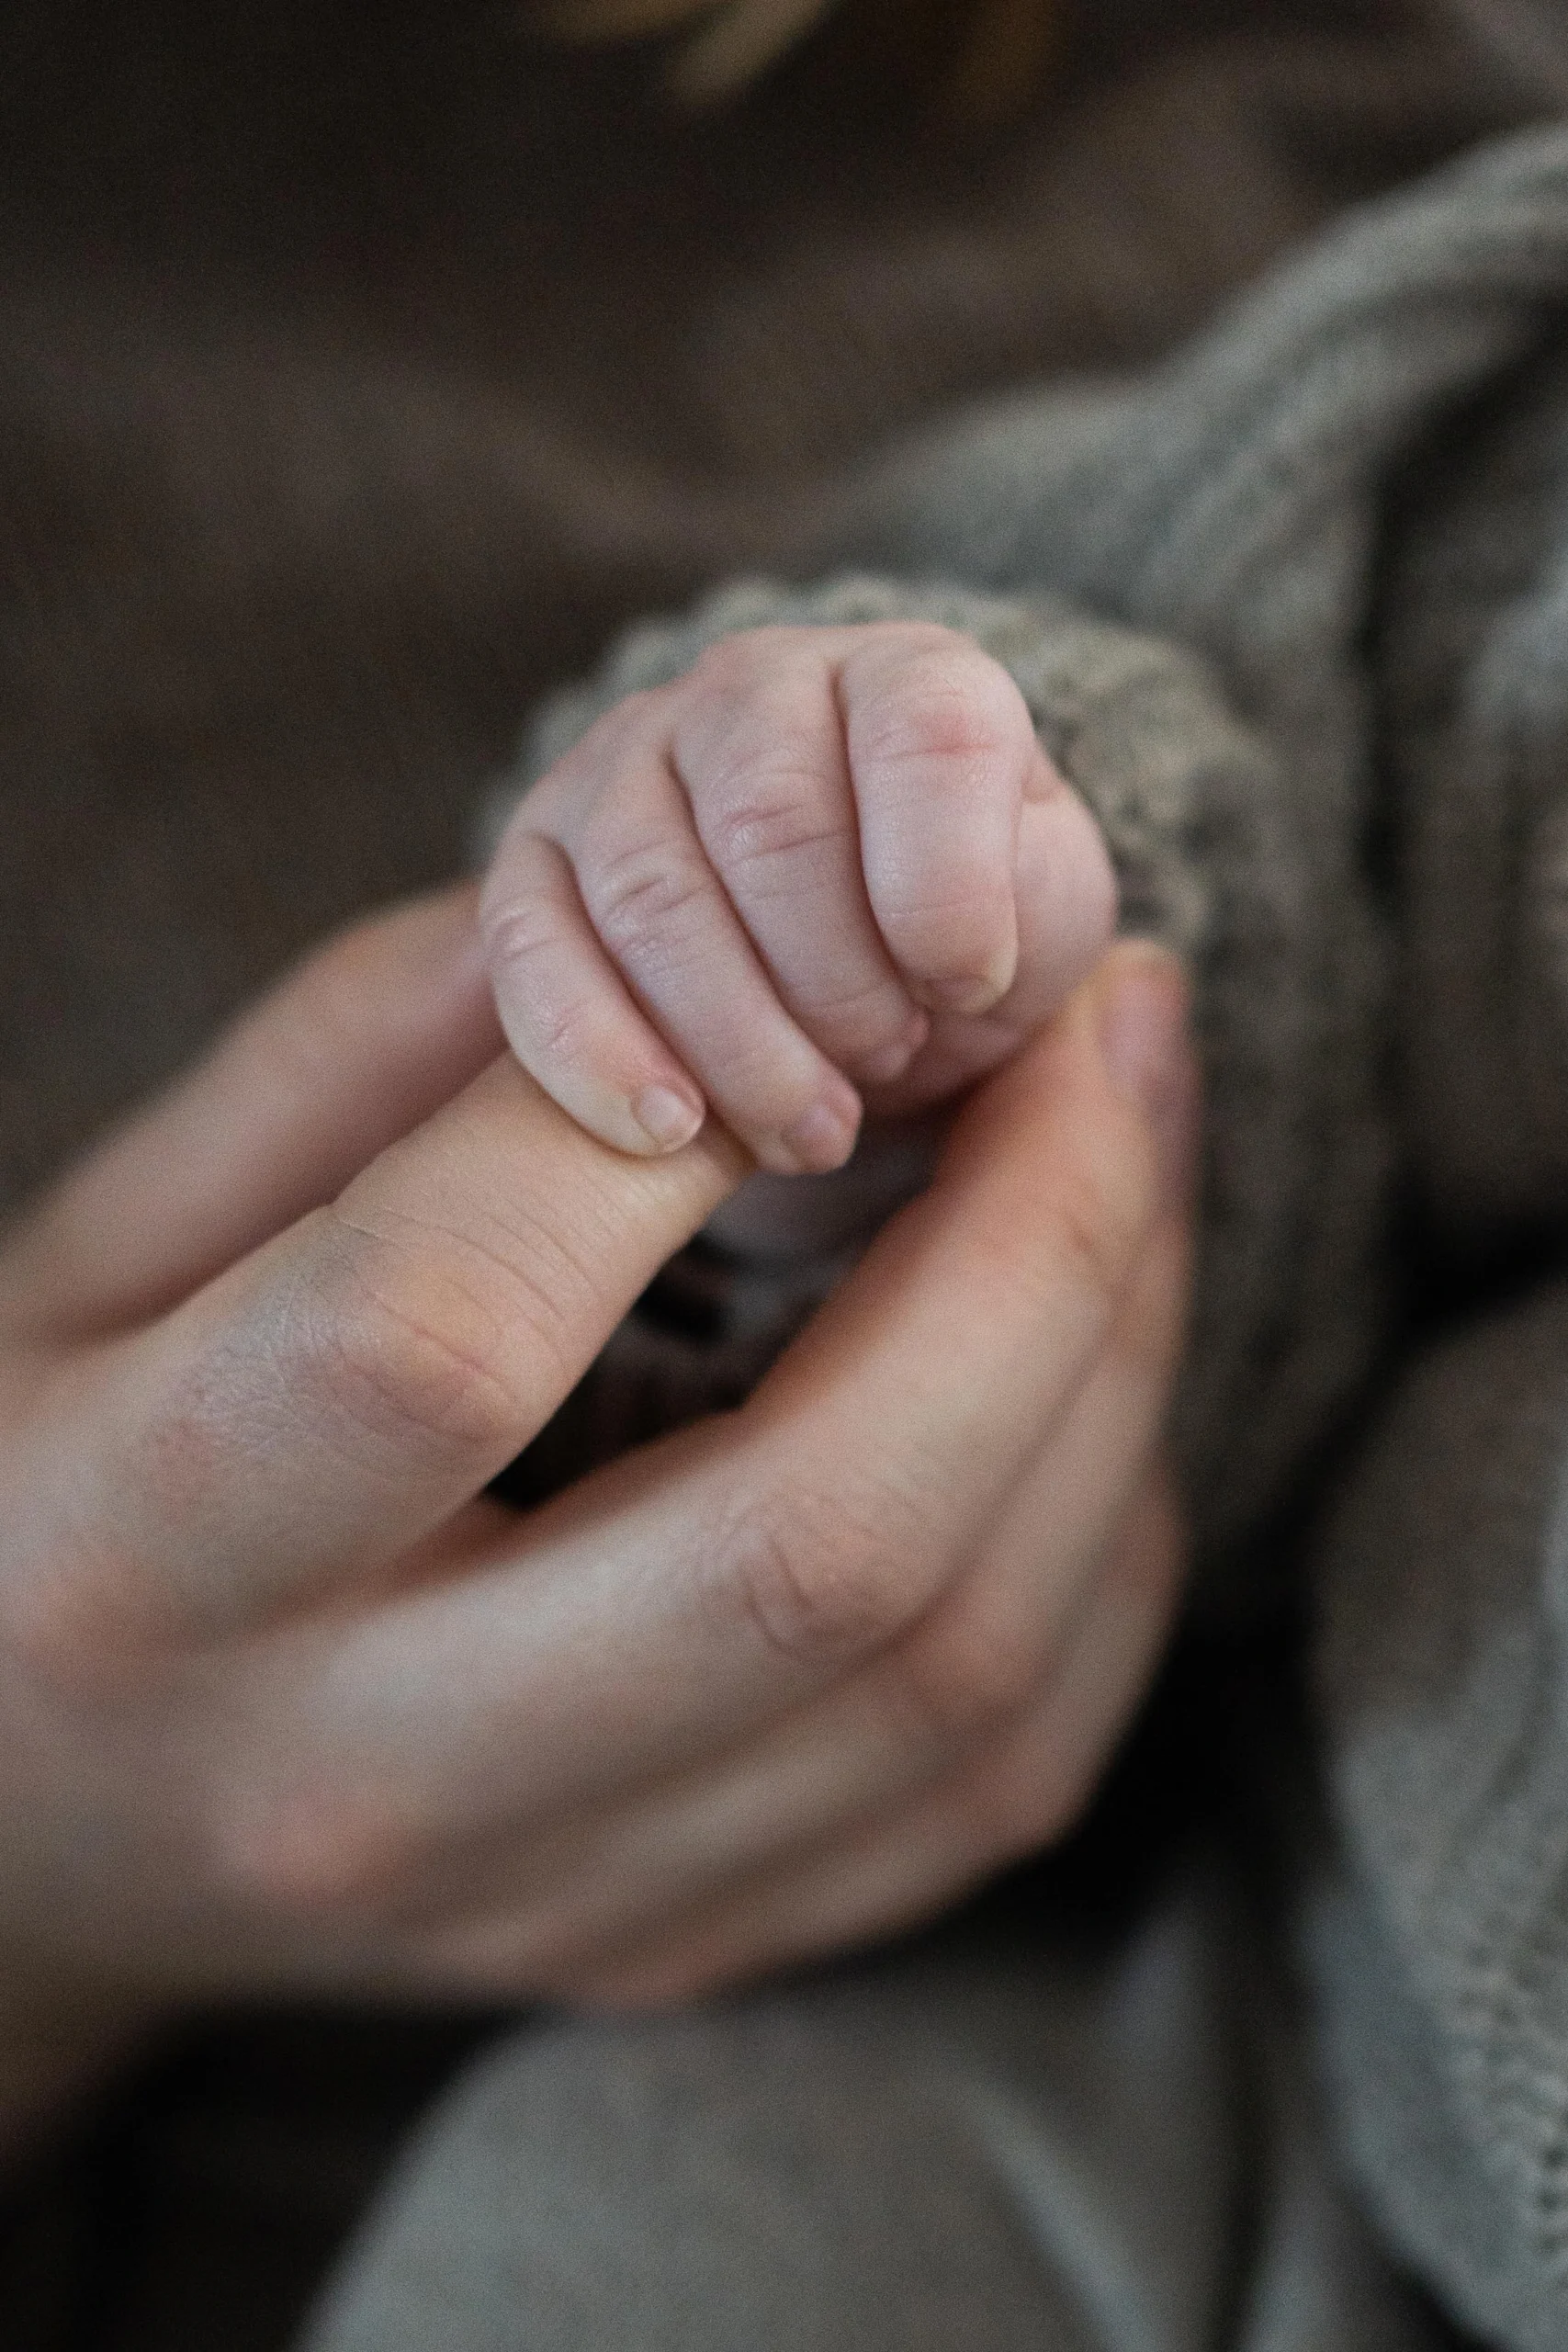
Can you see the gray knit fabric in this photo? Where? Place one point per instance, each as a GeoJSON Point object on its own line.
{"type": "Point", "coordinates": [1346, 796]}
{"type": "Point", "coordinates": [983, 2149]}
{"type": "Point", "coordinates": [1441, 1939]}
{"type": "Point", "coordinates": [1474, 668]}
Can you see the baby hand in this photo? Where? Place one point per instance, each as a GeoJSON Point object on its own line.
{"type": "Point", "coordinates": [826, 869]}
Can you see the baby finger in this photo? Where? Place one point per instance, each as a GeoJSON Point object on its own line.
{"type": "Point", "coordinates": [569, 1017]}
{"type": "Point", "coordinates": [941, 746]}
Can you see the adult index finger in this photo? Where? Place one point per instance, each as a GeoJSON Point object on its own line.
{"type": "Point", "coordinates": [325, 1404]}
{"type": "Point", "coordinates": [657, 1613]}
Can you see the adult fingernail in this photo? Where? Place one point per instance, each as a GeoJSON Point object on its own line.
{"type": "Point", "coordinates": [1142, 1034]}
{"type": "Point", "coordinates": [669, 1119]}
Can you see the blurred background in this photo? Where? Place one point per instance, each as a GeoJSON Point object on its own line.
{"type": "Point", "coordinates": [361, 368]}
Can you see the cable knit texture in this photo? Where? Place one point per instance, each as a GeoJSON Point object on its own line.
{"type": "Point", "coordinates": [1441, 1940]}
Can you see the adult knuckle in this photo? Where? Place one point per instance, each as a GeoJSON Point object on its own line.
{"type": "Point", "coordinates": [964, 1684]}
{"type": "Point", "coordinates": [410, 1356]}
{"type": "Point", "coordinates": [97, 1602]}
{"type": "Point", "coordinates": [83, 1618]}
{"type": "Point", "coordinates": [819, 1582]}
{"type": "Point", "coordinates": [329, 1854]}
{"type": "Point", "coordinates": [1097, 1220]}
{"type": "Point", "coordinates": [1020, 1803]}
{"type": "Point", "coordinates": [1031, 1811]}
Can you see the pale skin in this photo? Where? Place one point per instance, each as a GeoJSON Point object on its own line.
{"type": "Point", "coordinates": [828, 871]}
{"type": "Point", "coordinates": [286, 1706]}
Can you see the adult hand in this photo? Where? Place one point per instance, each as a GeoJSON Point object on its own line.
{"type": "Point", "coordinates": [284, 1707]}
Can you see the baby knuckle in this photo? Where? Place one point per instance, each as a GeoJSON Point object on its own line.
{"type": "Point", "coordinates": [557, 1019]}
{"type": "Point", "coordinates": [632, 716]}
{"type": "Point", "coordinates": [724, 670]}
{"type": "Point", "coordinates": [568, 1031]}
{"type": "Point", "coordinates": [640, 894]}
{"type": "Point", "coordinates": [961, 907]}
{"type": "Point", "coordinates": [744, 662]}
{"type": "Point", "coordinates": [777, 667]}
{"type": "Point", "coordinates": [773, 813]}
{"type": "Point", "coordinates": [854, 1024]}
{"type": "Point", "coordinates": [520, 929]}
{"type": "Point", "coordinates": [763, 769]}
{"type": "Point", "coordinates": [580, 774]}
{"type": "Point", "coordinates": [944, 708]}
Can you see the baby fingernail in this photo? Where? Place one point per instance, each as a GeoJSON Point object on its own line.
{"type": "Point", "coordinates": [667, 1118]}
{"type": "Point", "coordinates": [891, 1061]}
{"type": "Point", "coordinates": [977, 992]}
{"type": "Point", "coordinates": [822, 1138]}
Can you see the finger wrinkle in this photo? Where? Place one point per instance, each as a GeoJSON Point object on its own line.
{"type": "Point", "coordinates": [822, 1578]}
{"type": "Point", "coordinates": [449, 1362]}
{"type": "Point", "coordinates": [784, 826]}
{"type": "Point", "coordinates": [637, 890]}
